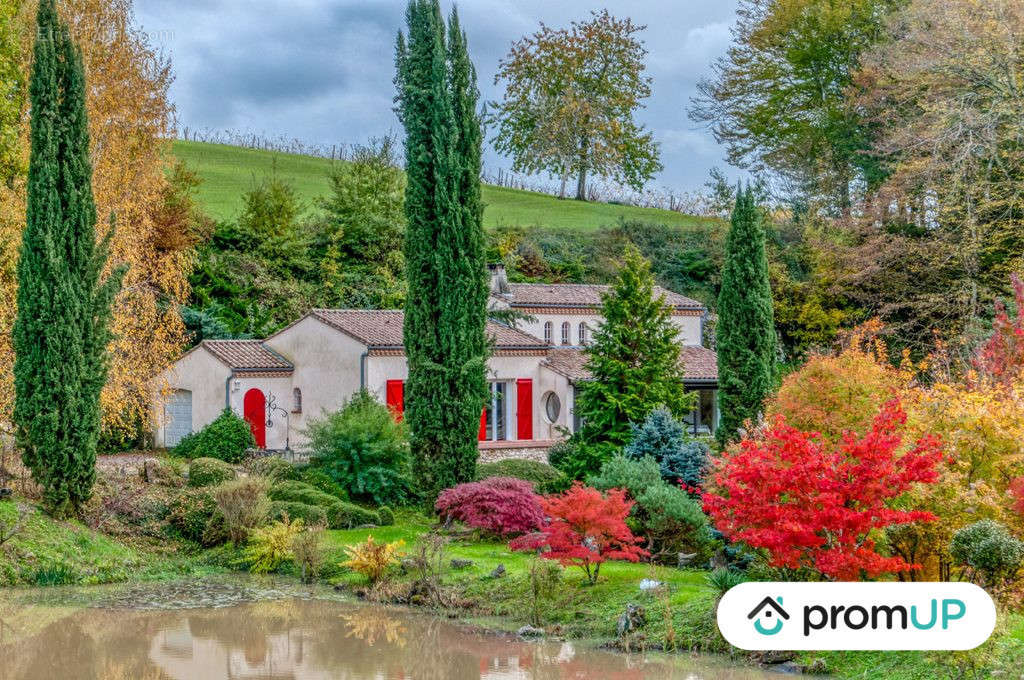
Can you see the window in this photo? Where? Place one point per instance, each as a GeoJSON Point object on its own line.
{"type": "Point", "coordinates": [552, 407]}
{"type": "Point", "coordinates": [549, 331]}
{"type": "Point", "coordinates": [704, 418]}
{"type": "Point", "coordinates": [492, 425]}
{"type": "Point", "coordinates": [566, 330]}
{"type": "Point", "coordinates": [583, 333]}
{"type": "Point", "coordinates": [296, 400]}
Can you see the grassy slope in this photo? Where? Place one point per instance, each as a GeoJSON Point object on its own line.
{"type": "Point", "coordinates": [229, 171]}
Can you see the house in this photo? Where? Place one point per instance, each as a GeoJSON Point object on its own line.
{"type": "Point", "coordinates": [314, 365]}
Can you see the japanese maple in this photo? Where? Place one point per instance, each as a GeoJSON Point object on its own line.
{"type": "Point", "coordinates": [586, 528]}
{"type": "Point", "coordinates": [1001, 357]}
{"type": "Point", "coordinates": [811, 503]}
{"type": "Point", "coordinates": [1017, 491]}
{"type": "Point", "coordinates": [498, 505]}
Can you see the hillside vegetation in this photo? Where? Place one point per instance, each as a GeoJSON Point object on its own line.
{"type": "Point", "coordinates": [228, 172]}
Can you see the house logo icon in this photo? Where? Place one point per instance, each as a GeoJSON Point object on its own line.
{"type": "Point", "coordinates": [769, 616]}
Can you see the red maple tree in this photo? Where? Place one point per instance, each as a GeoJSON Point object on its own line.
{"type": "Point", "coordinates": [814, 504]}
{"type": "Point", "coordinates": [498, 505]}
{"type": "Point", "coordinates": [1001, 357]}
{"type": "Point", "coordinates": [586, 528]}
{"type": "Point", "coordinates": [1017, 491]}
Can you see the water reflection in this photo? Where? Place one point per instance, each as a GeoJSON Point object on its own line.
{"type": "Point", "coordinates": [293, 639]}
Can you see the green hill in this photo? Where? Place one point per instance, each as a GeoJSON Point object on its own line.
{"type": "Point", "coordinates": [228, 171]}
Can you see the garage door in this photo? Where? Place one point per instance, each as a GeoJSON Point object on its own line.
{"type": "Point", "coordinates": [178, 417]}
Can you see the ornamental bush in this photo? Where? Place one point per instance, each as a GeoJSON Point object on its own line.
{"type": "Point", "coordinates": [274, 468]}
{"type": "Point", "coordinates": [989, 549]}
{"type": "Point", "coordinates": [497, 505]}
{"type": "Point", "coordinates": [635, 476]}
{"type": "Point", "coordinates": [312, 515]}
{"type": "Point", "coordinates": [209, 472]}
{"type": "Point", "coordinates": [662, 437]}
{"type": "Point", "coordinates": [318, 479]}
{"type": "Point", "coordinates": [363, 449]}
{"type": "Point", "coordinates": [545, 478]}
{"type": "Point", "coordinates": [227, 438]}
{"type": "Point", "coordinates": [194, 516]}
{"type": "Point", "coordinates": [340, 515]}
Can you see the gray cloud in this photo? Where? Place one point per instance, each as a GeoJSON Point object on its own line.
{"type": "Point", "coordinates": [322, 71]}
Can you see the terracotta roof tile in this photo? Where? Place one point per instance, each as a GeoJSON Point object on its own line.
{"type": "Point", "coordinates": [580, 295]}
{"type": "Point", "coordinates": [383, 328]}
{"type": "Point", "coordinates": [247, 354]}
{"type": "Point", "coordinates": [699, 363]}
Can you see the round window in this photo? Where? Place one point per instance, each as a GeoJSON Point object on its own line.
{"type": "Point", "coordinates": [552, 407]}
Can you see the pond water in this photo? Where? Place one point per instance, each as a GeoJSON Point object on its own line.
{"type": "Point", "coordinates": [267, 631]}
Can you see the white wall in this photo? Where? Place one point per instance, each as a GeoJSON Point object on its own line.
{"type": "Point", "coordinates": [278, 395]}
{"type": "Point", "coordinates": [202, 374]}
{"type": "Point", "coordinates": [689, 326]}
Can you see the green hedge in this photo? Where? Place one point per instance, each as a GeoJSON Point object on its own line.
{"type": "Point", "coordinates": [227, 438]}
{"type": "Point", "coordinates": [344, 515]}
{"type": "Point", "coordinates": [309, 514]}
{"type": "Point", "coordinates": [319, 479]}
{"type": "Point", "coordinates": [387, 517]}
{"type": "Point", "coordinates": [275, 469]}
{"type": "Point", "coordinates": [209, 472]}
{"type": "Point", "coordinates": [545, 478]}
{"type": "Point", "coordinates": [340, 515]}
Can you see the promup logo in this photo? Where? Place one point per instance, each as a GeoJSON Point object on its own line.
{"type": "Point", "coordinates": [887, 616]}
{"type": "Point", "coordinates": [763, 614]}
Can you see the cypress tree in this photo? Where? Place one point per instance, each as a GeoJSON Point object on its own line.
{"type": "Point", "coordinates": [61, 331]}
{"type": "Point", "coordinates": [634, 362]}
{"type": "Point", "coordinates": [746, 325]}
{"type": "Point", "coordinates": [445, 314]}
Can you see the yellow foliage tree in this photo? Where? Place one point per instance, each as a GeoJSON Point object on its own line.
{"type": "Point", "coordinates": [130, 123]}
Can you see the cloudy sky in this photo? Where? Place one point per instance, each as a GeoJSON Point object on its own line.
{"type": "Point", "coordinates": [321, 70]}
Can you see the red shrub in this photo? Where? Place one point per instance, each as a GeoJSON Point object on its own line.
{"type": "Point", "coordinates": [499, 505]}
{"type": "Point", "coordinates": [1001, 357]}
{"type": "Point", "coordinates": [1017, 491]}
{"type": "Point", "coordinates": [586, 529]}
{"type": "Point", "coordinates": [813, 504]}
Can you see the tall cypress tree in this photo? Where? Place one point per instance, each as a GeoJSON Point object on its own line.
{"type": "Point", "coordinates": [445, 314]}
{"type": "Point", "coordinates": [61, 331]}
{"type": "Point", "coordinates": [746, 320]}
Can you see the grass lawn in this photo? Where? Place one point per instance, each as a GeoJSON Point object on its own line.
{"type": "Point", "coordinates": [228, 171]}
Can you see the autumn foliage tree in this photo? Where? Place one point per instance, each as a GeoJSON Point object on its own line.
{"type": "Point", "coordinates": [498, 505]}
{"type": "Point", "coordinates": [814, 504]}
{"type": "Point", "coordinates": [587, 528]}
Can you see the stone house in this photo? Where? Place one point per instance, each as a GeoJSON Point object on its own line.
{"type": "Point", "coordinates": [314, 365]}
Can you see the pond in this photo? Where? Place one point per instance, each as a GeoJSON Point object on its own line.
{"type": "Point", "coordinates": [267, 631]}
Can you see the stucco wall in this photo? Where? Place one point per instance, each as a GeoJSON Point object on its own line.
{"type": "Point", "coordinates": [326, 370]}
{"type": "Point", "coordinates": [278, 395]}
{"type": "Point", "coordinates": [202, 374]}
{"type": "Point", "coordinates": [689, 326]}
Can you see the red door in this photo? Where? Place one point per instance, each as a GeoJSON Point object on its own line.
{"type": "Point", "coordinates": [524, 412]}
{"type": "Point", "coordinates": [395, 397]}
{"type": "Point", "coordinates": [255, 408]}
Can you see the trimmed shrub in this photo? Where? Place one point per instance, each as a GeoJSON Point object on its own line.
{"type": "Point", "coordinates": [387, 517]}
{"type": "Point", "coordinates": [989, 549]}
{"type": "Point", "coordinates": [318, 479]}
{"type": "Point", "coordinates": [635, 476]}
{"type": "Point", "coordinates": [545, 478]}
{"type": "Point", "coordinates": [364, 450]}
{"type": "Point", "coordinates": [274, 468]}
{"type": "Point", "coordinates": [344, 515]}
{"type": "Point", "coordinates": [227, 438]}
{"type": "Point", "coordinates": [498, 505]}
{"type": "Point", "coordinates": [664, 438]}
{"type": "Point", "coordinates": [209, 472]}
{"type": "Point", "coordinates": [310, 514]}
{"type": "Point", "coordinates": [672, 520]}
{"type": "Point", "coordinates": [340, 515]}
{"type": "Point", "coordinates": [301, 492]}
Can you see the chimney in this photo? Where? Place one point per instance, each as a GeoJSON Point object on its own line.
{"type": "Point", "coordinates": [499, 280]}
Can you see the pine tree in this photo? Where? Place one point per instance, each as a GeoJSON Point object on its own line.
{"type": "Point", "coordinates": [746, 325]}
{"type": "Point", "coordinates": [445, 313]}
{"type": "Point", "coordinates": [61, 330]}
{"type": "Point", "coordinates": [634, 362]}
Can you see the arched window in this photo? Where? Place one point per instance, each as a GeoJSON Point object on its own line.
{"type": "Point", "coordinates": [566, 330]}
{"type": "Point", "coordinates": [549, 330]}
{"type": "Point", "coordinates": [296, 400]}
{"type": "Point", "coordinates": [583, 333]}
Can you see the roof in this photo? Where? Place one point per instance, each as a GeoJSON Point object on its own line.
{"type": "Point", "coordinates": [383, 328]}
{"type": "Point", "coordinates": [699, 363]}
{"type": "Point", "coordinates": [580, 295]}
{"type": "Point", "coordinates": [243, 355]}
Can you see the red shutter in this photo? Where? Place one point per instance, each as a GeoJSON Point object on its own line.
{"type": "Point", "coordinates": [395, 397]}
{"type": "Point", "coordinates": [483, 425]}
{"type": "Point", "coordinates": [524, 399]}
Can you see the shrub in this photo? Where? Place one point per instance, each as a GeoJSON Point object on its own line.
{"type": "Point", "coordinates": [307, 552]}
{"type": "Point", "coordinates": [545, 478]}
{"type": "Point", "coordinates": [635, 476]}
{"type": "Point", "coordinates": [227, 438]}
{"type": "Point", "coordinates": [663, 438]}
{"type": "Point", "coordinates": [723, 579]}
{"type": "Point", "coordinates": [301, 492]}
{"type": "Point", "coordinates": [498, 505]}
{"type": "Point", "coordinates": [318, 479]}
{"type": "Point", "coordinates": [309, 514]}
{"type": "Point", "coordinates": [672, 520]}
{"type": "Point", "coordinates": [344, 515]}
{"type": "Point", "coordinates": [586, 529]}
{"type": "Point", "coordinates": [577, 458]}
{"type": "Point", "coordinates": [372, 559]}
{"type": "Point", "coordinates": [209, 472]}
{"type": "Point", "coordinates": [387, 517]}
{"type": "Point", "coordinates": [194, 516]}
{"type": "Point", "coordinates": [274, 468]}
{"type": "Point", "coordinates": [270, 547]}
{"type": "Point", "coordinates": [989, 549]}
{"type": "Point", "coordinates": [363, 449]}
{"type": "Point", "coordinates": [244, 505]}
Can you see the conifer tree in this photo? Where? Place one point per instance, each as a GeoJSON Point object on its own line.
{"type": "Point", "coordinates": [634, 362]}
{"type": "Point", "coordinates": [746, 338]}
{"type": "Point", "coordinates": [445, 313]}
{"type": "Point", "coordinates": [61, 331]}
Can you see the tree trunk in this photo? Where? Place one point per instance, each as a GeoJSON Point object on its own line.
{"type": "Point", "coordinates": [581, 184]}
